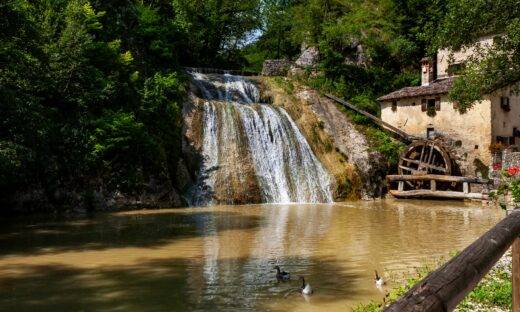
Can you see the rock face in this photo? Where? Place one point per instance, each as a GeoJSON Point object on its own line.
{"type": "Point", "coordinates": [352, 143]}
{"type": "Point", "coordinates": [358, 171]}
{"type": "Point", "coordinates": [309, 58]}
{"type": "Point", "coordinates": [276, 67]}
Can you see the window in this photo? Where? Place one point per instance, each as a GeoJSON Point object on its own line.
{"type": "Point", "coordinates": [504, 104]}
{"type": "Point", "coordinates": [456, 69]}
{"type": "Point", "coordinates": [507, 141]}
{"type": "Point", "coordinates": [430, 133]}
{"type": "Point", "coordinates": [394, 106]}
{"type": "Point", "coordinates": [431, 104]}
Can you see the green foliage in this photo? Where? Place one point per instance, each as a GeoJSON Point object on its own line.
{"type": "Point", "coordinates": [514, 187]}
{"type": "Point", "coordinates": [385, 144]}
{"type": "Point", "coordinates": [494, 291]}
{"type": "Point", "coordinates": [369, 307]}
{"type": "Point", "coordinates": [430, 111]}
{"type": "Point", "coordinates": [490, 69]}
{"type": "Point", "coordinates": [85, 107]}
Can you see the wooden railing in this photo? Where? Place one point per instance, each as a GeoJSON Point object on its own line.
{"type": "Point", "coordinates": [444, 288]}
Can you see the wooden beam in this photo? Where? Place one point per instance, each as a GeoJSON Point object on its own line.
{"type": "Point", "coordinates": [412, 171]}
{"type": "Point", "coordinates": [437, 177]}
{"type": "Point", "coordinates": [437, 194]}
{"type": "Point", "coordinates": [465, 187]}
{"type": "Point", "coordinates": [375, 119]}
{"type": "Point", "coordinates": [424, 165]}
{"type": "Point", "coordinates": [400, 187]}
{"type": "Point", "coordinates": [444, 288]}
{"type": "Point", "coordinates": [433, 185]}
{"type": "Point", "coordinates": [516, 275]}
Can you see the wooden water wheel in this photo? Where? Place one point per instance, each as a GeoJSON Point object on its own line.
{"type": "Point", "coordinates": [425, 157]}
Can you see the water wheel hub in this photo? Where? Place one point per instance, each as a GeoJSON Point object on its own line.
{"type": "Point", "coordinates": [425, 157]}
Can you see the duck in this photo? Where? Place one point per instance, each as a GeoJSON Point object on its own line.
{"type": "Point", "coordinates": [282, 275]}
{"type": "Point", "coordinates": [306, 288]}
{"type": "Point", "coordinates": [378, 280]}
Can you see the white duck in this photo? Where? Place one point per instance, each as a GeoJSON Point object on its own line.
{"type": "Point", "coordinates": [379, 280]}
{"type": "Point", "coordinates": [306, 288]}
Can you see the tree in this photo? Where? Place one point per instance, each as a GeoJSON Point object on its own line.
{"type": "Point", "coordinates": [489, 69]}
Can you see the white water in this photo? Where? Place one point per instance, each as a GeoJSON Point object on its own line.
{"type": "Point", "coordinates": [244, 141]}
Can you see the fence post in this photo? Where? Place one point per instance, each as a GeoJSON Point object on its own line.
{"type": "Point", "coordinates": [516, 275]}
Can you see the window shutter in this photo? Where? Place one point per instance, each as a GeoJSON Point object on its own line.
{"type": "Point", "coordinates": [424, 105]}
{"type": "Point", "coordinates": [438, 103]}
{"type": "Point", "coordinates": [504, 103]}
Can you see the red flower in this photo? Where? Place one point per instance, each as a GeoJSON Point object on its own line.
{"type": "Point", "coordinates": [513, 170]}
{"type": "Point", "coordinates": [497, 166]}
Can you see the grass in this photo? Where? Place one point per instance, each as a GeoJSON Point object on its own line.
{"type": "Point", "coordinates": [494, 291]}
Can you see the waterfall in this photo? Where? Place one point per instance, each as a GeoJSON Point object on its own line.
{"type": "Point", "coordinates": [252, 152]}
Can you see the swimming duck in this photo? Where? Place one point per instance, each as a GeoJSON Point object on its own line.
{"type": "Point", "coordinates": [378, 280]}
{"type": "Point", "coordinates": [306, 288]}
{"type": "Point", "coordinates": [282, 275]}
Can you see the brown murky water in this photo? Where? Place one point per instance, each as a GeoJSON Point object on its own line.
{"type": "Point", "coordinates": [222, 258]}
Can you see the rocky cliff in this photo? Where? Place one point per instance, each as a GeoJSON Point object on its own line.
{"type": "Point", "coordinates": [344, 149]}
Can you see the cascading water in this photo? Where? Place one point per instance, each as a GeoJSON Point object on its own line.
{"type": "Point", "coordinates": [252, 152]}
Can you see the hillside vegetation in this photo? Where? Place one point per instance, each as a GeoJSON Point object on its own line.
{"type": "Point", "coordinates": [91, 90]}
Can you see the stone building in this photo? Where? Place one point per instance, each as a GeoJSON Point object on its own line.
{"type": "Point", "coordinates": [427, 112]}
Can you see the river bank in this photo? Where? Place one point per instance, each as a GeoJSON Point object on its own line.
{"type": "Point", "coordinates": [492, 294]}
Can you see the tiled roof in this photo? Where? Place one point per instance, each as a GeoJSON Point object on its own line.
{"type": "Point", "coordinates": [437, 87]}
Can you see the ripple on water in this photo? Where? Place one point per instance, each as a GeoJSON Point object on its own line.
{"type": "Point", "coordinates": [223, 258]}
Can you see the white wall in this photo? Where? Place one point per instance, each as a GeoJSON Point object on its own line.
{"type": "Point", "coordinates": [472, 128]}
{"type": "Point", "coordinates": [445, 57]}
{"type": "Point", "coordinates": [504, 122]}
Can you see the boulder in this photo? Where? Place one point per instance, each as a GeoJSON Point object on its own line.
{"type": "Point", "coordinates": [309, 58]}
{"type": "Point", "coordinates": [276, 67]}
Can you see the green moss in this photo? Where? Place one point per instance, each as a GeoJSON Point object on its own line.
{"type": "Point", "coordinates": [481, 168]}
{"type": "Point", "coordinates": [383, 143]}
{"type": "Point", "coordinates": [286, 84]}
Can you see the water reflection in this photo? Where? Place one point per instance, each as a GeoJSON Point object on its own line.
{"type": "Point", "coordinates": [222, 258]}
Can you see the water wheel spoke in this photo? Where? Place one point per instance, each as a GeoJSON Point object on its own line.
{"type": "Point", "coordinates": [423, 157]}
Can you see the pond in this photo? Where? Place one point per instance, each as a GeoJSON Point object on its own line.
{"type": "Point", "coordinates": [223, 257]}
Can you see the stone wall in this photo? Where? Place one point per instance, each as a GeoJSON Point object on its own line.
{"type": "Point", "coordinates": [276, 67]}
{"type": "Point", "coordinates": [510, 159]}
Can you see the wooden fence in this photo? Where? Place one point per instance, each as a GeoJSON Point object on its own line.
{"type": "Point", "coordinates": [444, 288]}
{"type": "Point", "coordinates": [433, 192]}
{"type": "Point", "coordinates": [207, 70]}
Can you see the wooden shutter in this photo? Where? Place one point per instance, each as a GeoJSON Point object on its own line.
{"type": "Point", "coordinates": [438, 103]}
{"type": "Point", "coordinates": [424, 105]}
